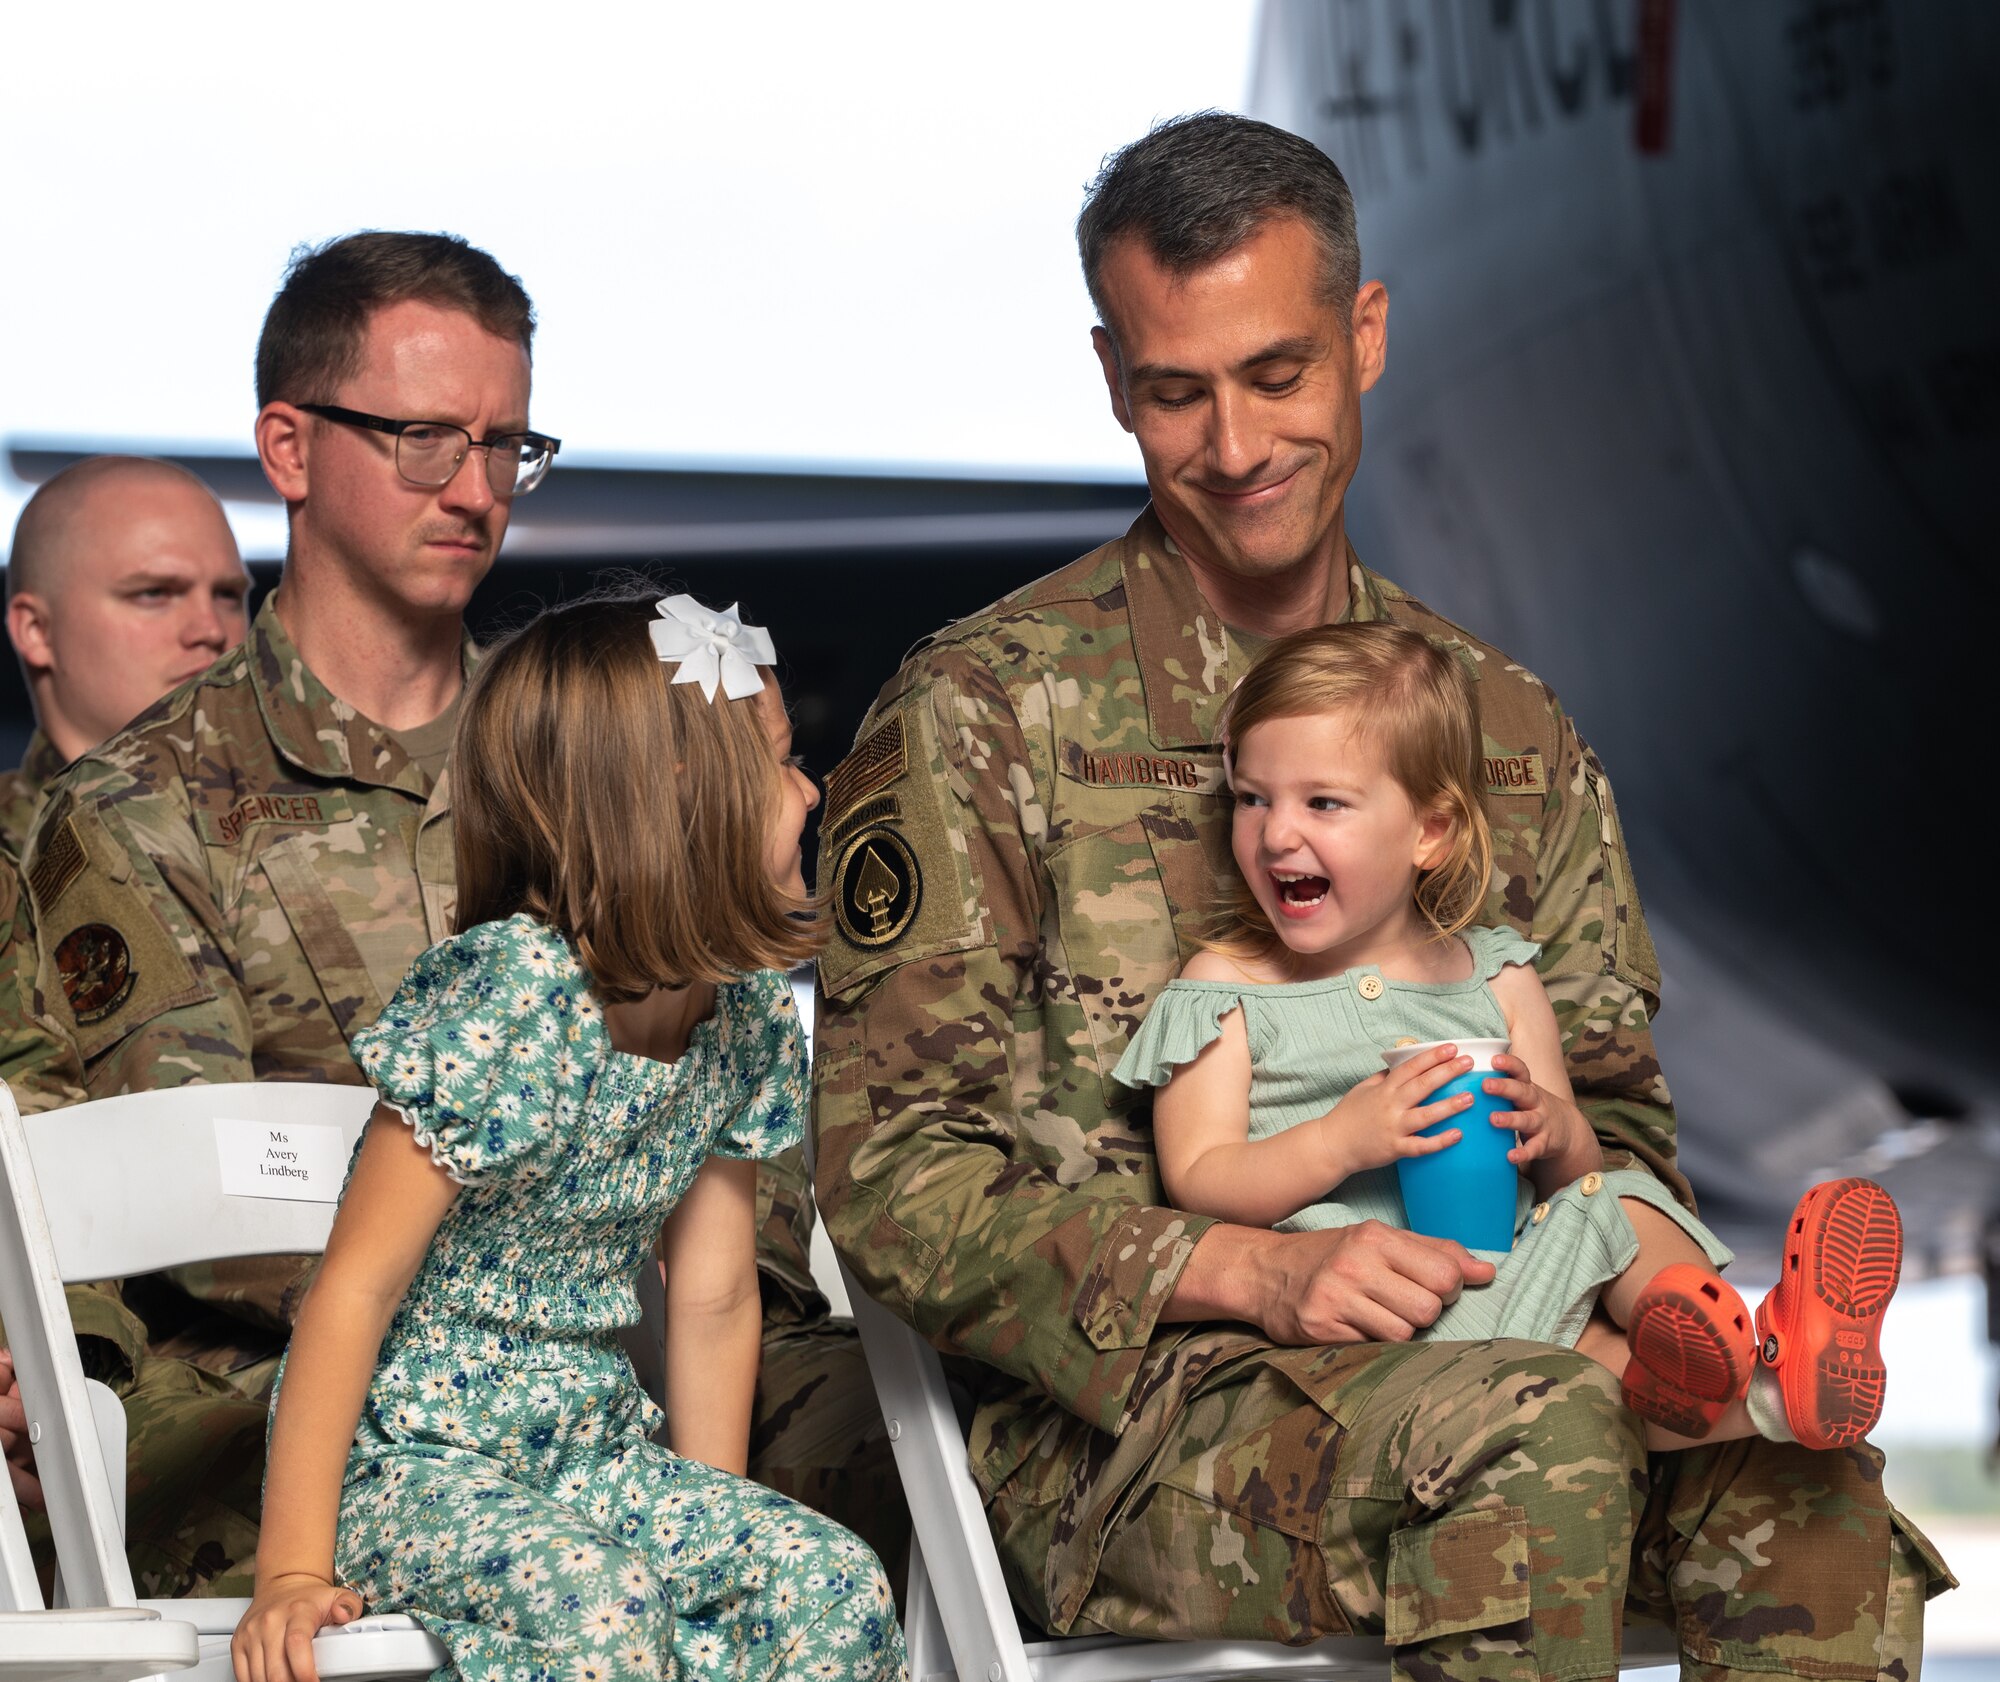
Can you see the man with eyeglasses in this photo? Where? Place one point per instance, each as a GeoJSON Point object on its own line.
{"type": "Point", "coordinates": [234, 886]}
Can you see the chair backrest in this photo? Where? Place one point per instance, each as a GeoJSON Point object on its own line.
{"type": "Point", "coordinates": [136, 1184]}
{"type": "Point", "coordinates": [122, 1186]}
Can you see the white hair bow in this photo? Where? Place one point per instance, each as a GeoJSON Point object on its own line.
{"type": "Point", "coordinates": [712, 647]}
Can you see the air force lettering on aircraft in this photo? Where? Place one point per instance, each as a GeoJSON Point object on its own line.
{"type": "Point", "coordinates": [1693, 403]}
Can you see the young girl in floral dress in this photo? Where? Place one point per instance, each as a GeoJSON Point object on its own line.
{"type": "Point", "coordinates": [1364, 856]}
{"type": "Point", "coordinates": [608, 1043]}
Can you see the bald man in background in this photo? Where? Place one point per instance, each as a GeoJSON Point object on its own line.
{"type": "Point", "coordinates": [123, 582]}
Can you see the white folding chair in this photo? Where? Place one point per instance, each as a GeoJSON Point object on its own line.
{"type": "Point", "coordinates": [958, 1617]}
{"type": "Point", "coordinates": [125, 1186]}
{"type": "Point", "coordinates": [74, 1644]}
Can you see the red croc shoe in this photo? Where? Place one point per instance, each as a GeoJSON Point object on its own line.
{"type": "Point", "coordinates": [1820, 1327]}
{"type": "Point", "coordinates": [1691, 1350]}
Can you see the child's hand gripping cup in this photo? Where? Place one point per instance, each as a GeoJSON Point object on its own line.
{"type": "Point", "coordinates": [1466, 1191]}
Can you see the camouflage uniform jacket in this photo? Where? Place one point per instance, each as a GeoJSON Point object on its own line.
{"type": "Point", "coordinates": [22, 1042]}
{"type": "Point", "coordinates": [1021, 848]}
{"type": "Point", "coordinates": [21, 793]}
{"type": "Point", "coordinates": [27, 1045]}
{"type": "Point", "coordinates": [231, 887]}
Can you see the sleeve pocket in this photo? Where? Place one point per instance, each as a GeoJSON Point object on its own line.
{"type": "Point", "coordinates": [894, 860]}
{"type": "Point", "coordinates": [1626, 938]}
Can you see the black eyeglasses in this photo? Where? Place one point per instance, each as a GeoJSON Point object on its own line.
{"type": "Point", "coordinates": [430, 453]}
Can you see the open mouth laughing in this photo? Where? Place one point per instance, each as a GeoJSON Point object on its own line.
{"type": "Point", "coordinates": [1299, 893]}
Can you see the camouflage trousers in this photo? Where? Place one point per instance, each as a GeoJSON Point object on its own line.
{"type": "Point", "coordinates": [194, 1473]}
{"type": "Point", "coordinates": [817, 1435]}
{"type": "Point", "coordinates": [1489, 1509]}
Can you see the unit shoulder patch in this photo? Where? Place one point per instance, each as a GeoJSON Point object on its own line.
{"type": "Point", "coordinates": [94, 964]}
{"type": "Point", "coordinates": [893, 859]}
{"type": "Point", "coordinates": [114, 942]}
{"type": "Point", "coordinates": [877, 887]}
{"type": "Point", "coordinates": [881, 809]}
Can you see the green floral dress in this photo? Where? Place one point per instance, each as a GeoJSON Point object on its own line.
{"type": "Point", "coordinates": [502, 1487]}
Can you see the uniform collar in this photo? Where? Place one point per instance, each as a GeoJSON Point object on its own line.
{"type": "Point", "coordinates": [312, 727]}
{"type": "Point", "coordinates": [21, 792]}
{"type": "Point", "coordinates": [43, 762]}
{"type": "Point", "coordinates": [1188, 659]}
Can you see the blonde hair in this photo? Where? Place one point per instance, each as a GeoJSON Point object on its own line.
{"type": "Point", "coordinates": [628, 812]}
{"type": "Point", "coordinates": [1413, 697]}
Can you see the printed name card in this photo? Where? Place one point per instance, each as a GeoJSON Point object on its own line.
{"type": "Point", "coordinates": [267, 1159]}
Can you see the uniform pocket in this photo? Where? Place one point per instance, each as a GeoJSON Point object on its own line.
{"type": "Point", "coordinates": [1937, 1575]}
{"type": "Point", "coordinates": [353, 995]}
{"type": "Point", "coordinates": [351, 897]}
{"type": "Point", "coordinates": [1459, 1572]}
{"type": "Point", "coordinates": [1117, 935]}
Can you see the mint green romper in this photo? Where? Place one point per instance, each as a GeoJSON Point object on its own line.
{"type": "Point", "coordinates": [1311, 1042]}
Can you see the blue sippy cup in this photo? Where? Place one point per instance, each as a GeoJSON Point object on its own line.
{"type": "Point", "coordinates": [1468, 1190]}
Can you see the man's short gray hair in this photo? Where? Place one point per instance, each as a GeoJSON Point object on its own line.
{"type": "Point", "coordinates": [1198, 186]}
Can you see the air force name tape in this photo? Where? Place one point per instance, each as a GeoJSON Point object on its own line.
{"type": "Point", "coordinates": [1516, 773]}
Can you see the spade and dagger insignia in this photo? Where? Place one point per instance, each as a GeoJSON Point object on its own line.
{"type": "Point", "coordinates": [876, 887]}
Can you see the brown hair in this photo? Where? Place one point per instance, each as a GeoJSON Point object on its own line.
{"type": "Point", "coordinates": [629, 812]}
{"type": "Point", "coordinates": [1422, 705]}
{"type": "Point", "coordinates": [312, 334]}
{"type": "Point", "coordinates": [1198, 187]}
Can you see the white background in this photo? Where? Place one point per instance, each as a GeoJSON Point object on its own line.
{"type": "Point", "coordinates": [753, 233]}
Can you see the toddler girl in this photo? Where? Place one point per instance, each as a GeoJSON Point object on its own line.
{"type": "Point", "coordinates": [1353, 754]}
{"type": "Point", "coordinates": [608, 1042]}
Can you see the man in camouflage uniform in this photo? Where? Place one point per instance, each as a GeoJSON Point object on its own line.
{"type": "Point", "coordinates": [123, 580]}
{"type": "Point", "coordinates": [1186, 1428]}
{"type": "Point", "coordinates": [234, 887]}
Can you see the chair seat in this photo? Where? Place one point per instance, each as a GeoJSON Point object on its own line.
{"type": "Point", "coordinates": [92, 1644]}
{"type": "Point", "coordinates": [86, 1615]}
{"type": "Point", "coordinates": [388, 1644]}
{"type": "Point", "coordinates": [1112, 1658]}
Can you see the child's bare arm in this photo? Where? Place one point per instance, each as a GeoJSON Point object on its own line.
{"type": "Point", "coordinates": [1201, 1125]}
{"type": "Point", "coordinates": [1208, 1164]}
{"type": "Point", "coordinates": [1557, 1144]}
{"type": "Point", "coordinates": [388, 1215]}
{"type": "Point", "coordinates": [715, 1318]}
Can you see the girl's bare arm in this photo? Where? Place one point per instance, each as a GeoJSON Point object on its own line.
{"type": "Point", "coordinates": [1201, 1131]}
{"type": "Point", "coordinates": [715, 1316]}
{"type": "Point", "coordinates": [1572, 1150]}
{"type": "Point", "coordinates": [388, 1215]}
